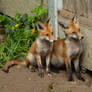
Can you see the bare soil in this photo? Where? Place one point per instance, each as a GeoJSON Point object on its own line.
{"type": "Point", "coordinates": [22, 80]}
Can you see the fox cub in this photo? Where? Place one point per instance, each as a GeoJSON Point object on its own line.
{"type": "Point", "coordinates": [39, 51]}
{"type": "Point", "coordinates": [68, 50]}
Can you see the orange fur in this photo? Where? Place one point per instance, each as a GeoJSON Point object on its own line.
{"type": "Point", "coordinates": [68, 49]}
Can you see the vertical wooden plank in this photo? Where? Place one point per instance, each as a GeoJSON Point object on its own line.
{"type": "Point", "coordinates": [45, 3]}
{"type": "Point", "coordinates": [71, 5]}
{"type": "Point", "coordinates": [78, 7]}
{"type": "Point", "coordinates": [65, 4]}
{"type": "Point", "coordinates": [90, 9]}
{"type": "Point", "coordinates": [81, 8]}
{"type": "Point", "coordinates": [85, 6]}
{"type": "Point", "coordinates": [52, 7]}
{"type": "Point", "coordinates": [60, 7]}
{"type": "Point", "coordinates": [68, 5]}
{"type": "Point", "coordinates": [42, 2]}
{"type": "Point", "coordinates": [60, 4]}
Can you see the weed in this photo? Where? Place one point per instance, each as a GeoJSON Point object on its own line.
{"type": "Point", "coordinates": [20, 33]}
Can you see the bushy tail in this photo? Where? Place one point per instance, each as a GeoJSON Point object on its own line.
{"type": "Point", "coordinates": [8, 64]}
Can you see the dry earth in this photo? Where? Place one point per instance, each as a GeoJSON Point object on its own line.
{"type": "Point", "coordinates": [22, 80]}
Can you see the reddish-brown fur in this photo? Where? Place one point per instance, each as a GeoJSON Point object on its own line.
{"type": "Point", "coordinates": [68, 50]}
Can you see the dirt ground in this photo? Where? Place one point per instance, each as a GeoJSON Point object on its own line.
{"type": "Point", "coordinates": [22, 80]}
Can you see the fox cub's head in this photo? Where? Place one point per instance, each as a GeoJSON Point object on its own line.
{"type": "Point", "coordinates": [45, 31]}
{"type": "Point", "coordinates": [72, 30]}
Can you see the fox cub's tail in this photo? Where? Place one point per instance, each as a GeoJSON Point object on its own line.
{"type": "Point", "coordinates": [8, 64]}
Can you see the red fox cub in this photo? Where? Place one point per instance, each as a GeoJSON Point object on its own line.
{"type": "Point", "coordinates": [68, 50]}
{"type": "Point", "coordinates": [40, 49]}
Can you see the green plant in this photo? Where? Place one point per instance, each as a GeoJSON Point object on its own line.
{"type": "Point", "coordinates": [68, 90]}
{"type": "Point", "coordinates": [3, 19]}
{"type": "Point", "coordinates": [39, 11]}
{"type": "Point", "coordinates": [21, 32]}
{"type": "Point", "coordinates": [50, 85]}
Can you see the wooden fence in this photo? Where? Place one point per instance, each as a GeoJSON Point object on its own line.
{"type": "Point", "coordinates": [83, 7]}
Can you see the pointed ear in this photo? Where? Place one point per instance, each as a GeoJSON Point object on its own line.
{"type": "Point", "coordinates": [63, 25]}
{"type": "Point", "coordinates": [75, 20]}
{"type": "Point", "coordinates": [49, 21]}
{"type": "Point", "coordinates": [40, 26]}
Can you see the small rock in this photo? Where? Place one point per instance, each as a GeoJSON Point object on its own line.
{"type": "Point", "coordinates": [49, 75]}
{"type": "Point", "coordinates": [3, 86]}
{"type": "Point", "coordinates": [87, 80]}
{"type": "Point", "coordinates": [29, 78]}
{"type": "Point", "coordinates": [73, 82]}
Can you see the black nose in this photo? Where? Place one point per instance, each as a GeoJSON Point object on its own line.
{"type": "Point", "coordinates": [82, 37]}
{"type": "Point", "coordinates": [54, 41]}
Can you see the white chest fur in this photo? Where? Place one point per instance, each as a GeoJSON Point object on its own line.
{"type": "Point", "coordinates": [44, 47]}
{"type": "Point", "coordinates": [74, 47]}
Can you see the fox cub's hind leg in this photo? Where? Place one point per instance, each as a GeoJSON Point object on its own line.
{"type": "Point", "coordinates": [31, 62]}
{"type": "Point", "coordinates": [35, 60]}
{"type": "Point", "coordinates": [68, 67]}
{"type": "Point", "coordinates": [77, 69]}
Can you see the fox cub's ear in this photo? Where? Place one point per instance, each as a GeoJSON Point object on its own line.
{"type": "Point", "coordinates": [40, 26]}
{"type": "Point", "coordinates": [49, 21]}
{"type": "Point", "coordinates": [63, 25]}
{"type": "Point", "coordinates": [75, 20]}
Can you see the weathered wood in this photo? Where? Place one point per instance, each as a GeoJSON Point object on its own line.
{"type": "Point", "coordinates": [78, 7]}
{"type": "Point", "coordinates": [87, 46]}
{"type": "Point", "coordinates": [83, 21]}
{"type": "Point", "coordinates": [42, 2]}
{"type": "Point", "coordinates": [81, 7]}
{"type": "Point", "coordinates": [85, 8]}
{"type": "Point", "coordinates": [71, 5]}
{"type": "Point", "coordinates": [52, 5]}
{"type": "Point", "coordinates": [90, 9]}
{"type": "Point", "coordinates": [65, 4]}
{"type": "Point", "coordinates": [60, 4]}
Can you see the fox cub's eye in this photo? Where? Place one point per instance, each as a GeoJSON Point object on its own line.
{"type": "Point", "coordinates": [52, 33]}
{"type": "Point", "coordinates": [73, 32]}
{"type": "Point", "coordinates": [47, 34]}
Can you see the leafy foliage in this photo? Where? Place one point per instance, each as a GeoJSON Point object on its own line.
{"type": "Point", "coordinates": [21, 32]}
